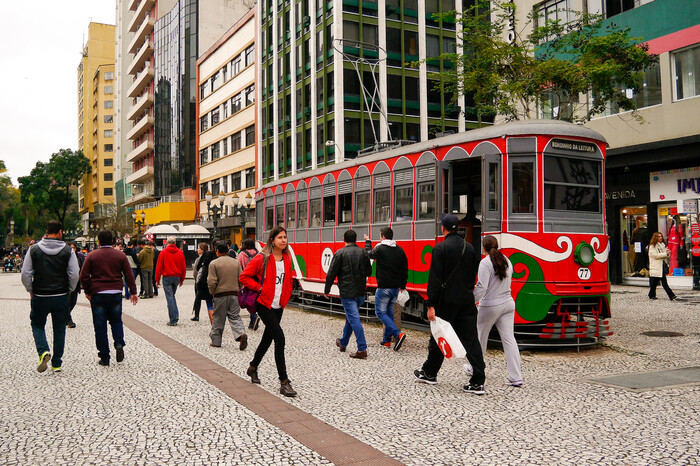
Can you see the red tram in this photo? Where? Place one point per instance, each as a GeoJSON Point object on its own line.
{"type": "Point", "coordinates": [536, 185]}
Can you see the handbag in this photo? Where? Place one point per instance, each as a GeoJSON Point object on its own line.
{"type": "Point", "coordinates": [447, 339]}
{"type": "Point", "coordinates": [247, 297]}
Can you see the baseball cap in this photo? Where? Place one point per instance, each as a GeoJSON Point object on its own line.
{"type": "Point", "coordinates": [450, 222]}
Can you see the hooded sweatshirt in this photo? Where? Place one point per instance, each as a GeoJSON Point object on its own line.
{"type": "Point", "coordinates": [50, 268]}
{"type": "Point", "coordinates": [171, 263]}
{"type": "Point", "coordinates": [392, 263]}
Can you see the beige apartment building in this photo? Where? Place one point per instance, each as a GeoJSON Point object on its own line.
{"type": "Point", "coordinates": [226, 133]}
{"type": "Point", "coordinates": [96, 124]}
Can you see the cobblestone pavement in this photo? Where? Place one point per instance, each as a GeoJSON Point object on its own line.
{"type": "Point", "coordinates": [150, 409]}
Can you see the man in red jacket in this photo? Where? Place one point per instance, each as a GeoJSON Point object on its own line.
{"type": "Point", "coordinates": [171, 266]}
{"type": "Point", "coordinates": [101, 278]}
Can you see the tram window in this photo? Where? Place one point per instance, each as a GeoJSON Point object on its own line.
{"type": "Point", "coordinates": [279, 217]}
{"type": "Point", "coordinates": [270, 223]}
{"type": "Point", "coordinates": [493, 187]}
{"type": "Point", "coordinates": [522, 188]}
{"type": "Point", "coordinates": [426, 201]}
{"type": "Point", "coordinates": [345, 208]}
{"type": "Point", "coordinates": [290, 217]}
{"type": "Point", "coordinates": [381, 206]}
{"type": "Point", "coordinates": [362, 207]}
{"type": "Point", "coordinates": [404, 204]}
{"type": "Point", "coordinates": [302, 214]}
{"type": "Point", "coordinates": [315, 213]}
{"type": "Point", "coordinates": [329, 211]}
{"type": "Point", "coordinates": [572, 184]}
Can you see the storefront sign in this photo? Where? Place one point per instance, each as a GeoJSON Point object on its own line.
{"type": "Point", "coordinates": [671, 185]}
{"type": "Point", "coordinates": [688, 206]}
{"type": "Point", "coordinates": [575, 146]}
{"type": "Point", "coordinates": [695, 228]}
{"type": "Point", "coordinates": [624, 194]}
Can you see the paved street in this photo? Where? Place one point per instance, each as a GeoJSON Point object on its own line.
{"type": "Point", "coordinates": [157, 408]}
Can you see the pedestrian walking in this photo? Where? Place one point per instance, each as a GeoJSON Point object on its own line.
{"type": "Point", "coordinates": [50, 272]}
{"type": "Point", "coordinates": [270, 274]}
{"type": "Point", "coordinates": [224, 272]}
{"type": "Point", "coordinates": [156, 255]}
{"type": "Point", "coordinates": [658, 268]}
{"type": "Point", "coordinates": [134, 263]}
{"type": "Point", "coordinates": [146, 259]}
{"type": "Point", "coordinates": [392, 276]}
{"type": "Point", "coordinates": [74, 294]}
{"type": "Point", "coordinates": [232, 249]}
{"type": "Point", "coordinates": [104, 271]}
{"type": "Point", "coordinates": [450, 290]}
{"type": "Point", "coordinates": [351, 266]}
{"type": "Point", "coordinates": [496, 307]}
{"type": "Point", "coordinates": [171, 267]}
{"type": "Point", "coordinates": [200, 270]}
{"type": "Point", "coordinates": [248, 251]}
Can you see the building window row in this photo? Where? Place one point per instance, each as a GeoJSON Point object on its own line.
{"type": "Point", "coordinates": [228, 145]}
{"type": "Point", "coordinates": [243, 179]}
{"type": "Point", "coordinates": [228, 71]}
{"type": "Point", "coordinates": [230, 107]}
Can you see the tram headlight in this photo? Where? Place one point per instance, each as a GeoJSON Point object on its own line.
{"type": "Point", "coordinates": [584, 254]}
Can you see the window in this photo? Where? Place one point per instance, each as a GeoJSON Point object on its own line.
{"type": "Point", "coordinates": [236, 103]}
{"type": "Point", "coordinates": [381, 206]}
{"type": "Point", "coordinates": [109, 163]}
{"type": "Point", "coordinates": [109, 148]}
{"type": "Point", "coordinates": [279, 215]}
{"type": "Point", "coordinates": [571, 184]}
{"type": "Point", "coordinates": [302, 213]}
{"type": "Point", "coordinates": [249, 55]}
{"type": "Point", "coordinates": [224, 184]}
{"type": "Point", "coordinates": [250, 135]}
{"type": "Point", "coordinates": [404, 204]}
{"type": "Point", "coordinates": [522, 187]}
{"type": "Point", "coordinates": [289, 224]}
{"type": "Point", "coordinates": [236, 141]}
{"type": "Point", "coordinates": [494, 189]}
{"type": "Point", "coordinates": [109, 89]}
{"type": "Point", "coordinates": [362, 207]}
{"type": "Point", "coordinates": [214, 117]}
{"type": "Point", "coordinates": [109, 75]}
{"type": "Point", "coordinates": [203, 156]}
{"type": "Point", "coordinates": [329, 210]}
{"type": "Point", "coordinates": [236, 65]}
{"type": "Point", "coordinates": [345, 208]}
{"type": "Point", "coordinates": [250, 178]}
{"type": "Point", "coordinates": [553, 10]}
{"type": "Point", "coordinates": [315, 213]}
{"type": "Point", "coordinates": [108, 191]}
{"type": "Point", "coordinates": [203, 188]}
{"type": "Point", "coordinates": [236, 181]}
{"type": "Point", "coordinates": [687, 72]}
{"type": "Point", "coordinates": [250, 95]}
{"type": "Point", "coordinates": [215, 151]}
{"type": "Point", "coordinates": [109, 133]}
{"type": "Point", "coordinates": [108, 176]}
{"type": "Point", "coordinates": [225, 148]}
{"type": "Point", "coordinates": [426, 201]}
{"type": "Point", "coordinates": [215, 188]}
{"type": "Point", "coordinates": [109, 104]}
{"type": "Point", "coordinates": [109, 118]}
{"type": "Point", "coordinates": [204, 123]}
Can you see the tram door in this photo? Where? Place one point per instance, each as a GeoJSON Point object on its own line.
{"type": "Point", "coordinates": [460, 193]}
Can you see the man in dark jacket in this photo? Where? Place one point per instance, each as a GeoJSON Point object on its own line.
{"type": "Point", "coordinates": [132, 257]}
{"type": "Point", "coordinates": [49, 273]}
{"type": "Point", "coordinates": [352, 267]}
{"type": "Point", "coordinates": [104, 271]}
{"type": "Point", "coordinates": [392, 275]}
{"type": "Point", "coordinates": [451, 279]}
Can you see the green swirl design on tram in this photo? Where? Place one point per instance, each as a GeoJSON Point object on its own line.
{"type": "Point", "coordinates": [420, 278]}
{"type": "Point", "coordinates": [534, 300]}
{"type": "Point", "coordinates": [302, 264]}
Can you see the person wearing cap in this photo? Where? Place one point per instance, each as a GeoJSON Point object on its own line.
{"type": "Point", "coordinates": [451, 280]}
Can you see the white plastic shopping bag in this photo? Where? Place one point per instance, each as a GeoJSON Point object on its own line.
{"type": "Point", "coordinates": [447, 339]}
{"type": "Point", "coordinates": [402, 299]}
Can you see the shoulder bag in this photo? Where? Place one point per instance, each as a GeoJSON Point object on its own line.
{"type": "Point", "coordinates": [247, 297]}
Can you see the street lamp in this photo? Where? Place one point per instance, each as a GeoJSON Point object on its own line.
{"type": "Point", "coordinates": [241, 207]}
{"type": "Point", "coordinates": [213, 210]}
{"type": "Point", "coordinates": [139, 223]}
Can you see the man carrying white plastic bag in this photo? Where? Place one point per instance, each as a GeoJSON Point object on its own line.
{"type": "Point", "coordinates": [451, 280]}
{"type": "Point", "coordinates": [447, 339]}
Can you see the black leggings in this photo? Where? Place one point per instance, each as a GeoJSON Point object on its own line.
{"type": "Point", "coordinates": [273, 331]}
{"type": "Point", "coordinates": [654, 282]}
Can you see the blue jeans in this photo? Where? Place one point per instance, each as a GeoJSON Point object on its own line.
{"type": "Point", "coordinates": [127, 293]}
{"type": "Point", "coordinates": [384, 299]}
{"type": "Point", "coordinates": [57, 306]}
{"type": "Point", "coordinates": [107, 308]}
{"type": "Point", "coordinates": [352, 322]}
{"type": "Point", "coordinates": [170, 285]}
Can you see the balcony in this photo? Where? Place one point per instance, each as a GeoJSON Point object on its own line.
{"type": "Point", "coordinates": [144, 54]}
{"type": "Point", "coordinates": [140, 175]}
{"type": "Point", "coordinates": [138, 198]}
{"type": "Point", "coordinates": [143, 125]}
{"type": "Point", "coordinates": [143, 104]}
{"type": "Point", "coordinates": [142, 34]}
{"type": "Point", "coordinates": [143, 149]}
{"type": "Point", "coordinates": [141, 12]}
{"type": "Point", "coordinates": [142, 80]}
{"type": "Point", "coordinates": [134, 4]}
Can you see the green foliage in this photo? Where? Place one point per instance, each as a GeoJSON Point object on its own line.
{"type": "Point", "coordinates": [514, 79]}
{"type": "Point", "coordinates": [48, 186]}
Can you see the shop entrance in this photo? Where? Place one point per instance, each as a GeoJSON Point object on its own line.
{"type": "Point", "coordinates": [635, 237]}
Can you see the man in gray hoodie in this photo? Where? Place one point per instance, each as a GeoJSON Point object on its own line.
{"type": "Point", "coordinates": [49, 273]}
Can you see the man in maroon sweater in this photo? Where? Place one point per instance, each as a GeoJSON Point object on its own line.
{"type": "Point", "coordinates": [101, 278]}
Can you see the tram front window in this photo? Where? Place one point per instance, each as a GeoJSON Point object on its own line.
{"type": "Point", "coordinates": [522, 188]}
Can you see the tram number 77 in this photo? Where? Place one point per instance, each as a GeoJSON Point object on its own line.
{"type": "Point", "coordinates": [326, 257]}
{"type": "Point", "coordinates": [584, 273]}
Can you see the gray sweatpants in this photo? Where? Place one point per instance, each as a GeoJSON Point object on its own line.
{"type": "Point", "coordinates": [226, 307]}
{"type": "Point", "coordinates": [502, 316]}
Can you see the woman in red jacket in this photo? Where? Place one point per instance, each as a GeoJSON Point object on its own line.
{"type": "Point", "coordinates": [274, 295]}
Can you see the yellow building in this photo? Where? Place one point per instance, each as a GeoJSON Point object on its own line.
{"type": "Point", "coordinates": [96, 123]}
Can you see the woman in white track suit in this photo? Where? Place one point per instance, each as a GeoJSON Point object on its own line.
{"type": "Point", "coordinates": [496, 306]}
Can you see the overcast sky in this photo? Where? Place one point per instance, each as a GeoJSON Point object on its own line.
{"type": "Point", "coordinates": [40, 57]}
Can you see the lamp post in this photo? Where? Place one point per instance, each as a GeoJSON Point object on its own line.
{"type": "Point", "coordinates": [214, 211]}
{"type": "Point", "coordinates": [139, 223]}
{"type": "Point", "coordinates": [241, 207]}
{"type": "Point", "coordinates": [94, 229]}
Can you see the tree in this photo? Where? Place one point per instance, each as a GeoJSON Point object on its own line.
{"type": "Point", "coordinates": [513, 75]}
{"type": "Point", "coordinates": [48, 185]}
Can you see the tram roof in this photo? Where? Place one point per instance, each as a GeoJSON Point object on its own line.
{"type": "Point", "coordinates": [516, 128]}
